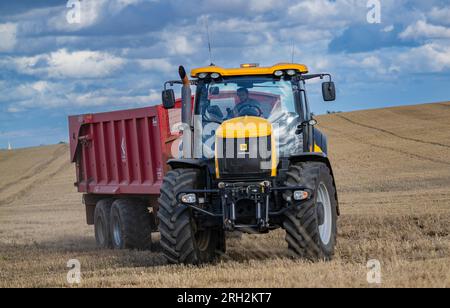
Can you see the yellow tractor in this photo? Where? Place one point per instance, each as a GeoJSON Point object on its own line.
{"type": "Point", "coordinates": [251, 160]}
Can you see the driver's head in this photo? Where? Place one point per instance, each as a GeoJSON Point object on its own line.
{"type": "Point", "coordinates": [242, 93]}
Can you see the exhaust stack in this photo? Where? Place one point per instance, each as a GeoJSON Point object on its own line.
{"type": "Point", "coordinates": [186, 113]}
{"type": "Point", "coordinates": [186, 97]}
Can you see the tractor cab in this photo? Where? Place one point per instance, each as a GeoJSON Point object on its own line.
{"type": "Point", "coordinates": [268, 97]}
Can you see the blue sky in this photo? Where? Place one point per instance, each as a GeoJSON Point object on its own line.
{"type": "Point", "coordinates": [123, 50]}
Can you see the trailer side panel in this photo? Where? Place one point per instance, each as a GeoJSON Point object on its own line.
{"type": "Point", "coordinates": [122, 152]}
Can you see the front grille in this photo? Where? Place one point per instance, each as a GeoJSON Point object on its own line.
{"type": "Point", "coordinates": [247, 158]}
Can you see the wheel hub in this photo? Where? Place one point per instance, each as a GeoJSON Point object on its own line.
{"type": "Point", "coordinates": [324, 214]}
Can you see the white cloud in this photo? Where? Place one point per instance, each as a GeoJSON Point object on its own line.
{"type": "Point", "coordinates": [260, 6]}
{"type": "Point", "coordinates": [114, 97]}
{"type": "Point", "coordinates": [374, 64]}
{"type": "Point", "coordinates": [389, 29]}
{"type": "Point", "coordinates": [182, 46]}
{"type": "Point", "coordinates": [237, 25]}
{"type": "Point", "coordinates": [64, 64]}
{"type": "Point", "coordinates": [371, 62]}
{"type": "Point", "coordinates": [422, 29]}
{"type": "Point", "coordinates": [22, 91]}
{"type": "Point", "coordinates": [8, 37]}
{"type": "Point", "coordinates": [440, 15]}
{"type": "Point", "coordinates": [158, 65]}
{"type": "Point", "coordinates": [428, 58]}
{"type": "Point", "coordinates": [327, 14]}
{"type": "Point", "coordinates": [314, 9]}
{"type": "Point", "coordinates": [52, 95]}
{"type": "Point", "coordinates": [40, 86]}
{"type": "Point", "coordinates": [81, 64]}
{"type": "Point", "coordinates": [119, 5]}
{"type": "Point", "coordinates": [92, 12]}
{"type": "Point", "coordinates": [19, 97]}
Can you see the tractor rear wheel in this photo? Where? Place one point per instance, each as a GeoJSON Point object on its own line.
{"type": "Point", "coordinates": [182, 241]}
{"type": "Point", "coordinates": [312, 226]}
{"type": "Point", "coordinates": [102, 223]}
{"type": "Point", "coordinates": [131, 225]}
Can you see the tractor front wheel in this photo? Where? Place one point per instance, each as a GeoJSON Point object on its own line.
{"type": "Point", "coordinates": [312, 226]}
{"type": "Point", "coordinates": [182, 240]}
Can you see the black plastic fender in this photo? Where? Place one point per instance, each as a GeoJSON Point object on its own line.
{"type": "Point", "coordinates": [316, 157]}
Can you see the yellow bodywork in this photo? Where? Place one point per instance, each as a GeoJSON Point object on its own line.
{"type": "Point", "coordinates": [250, 71]}
{"type": "Point", "coordinates": [317, 149]}
{"type": "Point", "coordinates": [247, 127]}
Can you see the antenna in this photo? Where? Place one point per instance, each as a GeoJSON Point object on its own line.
{"type": "Point", "coordinates": [209, 42]}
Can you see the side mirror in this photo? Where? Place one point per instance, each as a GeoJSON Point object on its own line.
{"type": "Point", "coordinates": [168, 98]}
{"type": "Point", "coordinates": [329, 91]}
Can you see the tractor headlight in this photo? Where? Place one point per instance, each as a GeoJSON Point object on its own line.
{"type": "Point", "coordinates": [215, 75]}
{"type": "Point", "coordinates": [202, 75]}
{"type": "Point", "coordinates": [291, 72]}
{"type": "Point", "coordinates": [300, 195]}
{"type": "Point", "coordinates": [189, 198]}
{"type": "Point", "coordinates": [279, 73]}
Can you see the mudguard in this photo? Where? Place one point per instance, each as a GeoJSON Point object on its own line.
{"type": "Point", "coordinates": [316, 157]}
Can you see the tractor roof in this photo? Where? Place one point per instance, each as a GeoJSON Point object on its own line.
{"type": "Point", "coordinates": [250, 70]}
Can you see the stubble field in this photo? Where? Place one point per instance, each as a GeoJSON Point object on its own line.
{"type": "Point", "coordinates": [392, 168]}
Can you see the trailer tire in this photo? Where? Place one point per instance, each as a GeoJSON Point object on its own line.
{"type": "Point", "coordinates": [131, 225]}
{"type": "Point", "coordinates": [102, 223]}
{"type": "Point", "coordinates": [181, 242]}
{"type": "Point", "coordinates": [311, 227]}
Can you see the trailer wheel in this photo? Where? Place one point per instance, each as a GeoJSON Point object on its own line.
{"type": "Point", "coordinates": [182, 242]}
{"type": "Point", "coordinates": [131, 225]}
{"type": "Point", "coordinates": [102, 223]}
{"type": "Point", "coordinates": [311, 228]}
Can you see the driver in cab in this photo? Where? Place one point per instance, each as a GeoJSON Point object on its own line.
{"type": "Point", "coordinates": [246, 105]}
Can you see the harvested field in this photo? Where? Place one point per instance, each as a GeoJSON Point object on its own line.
{"type": "Point", "coordinates": [392, 168]}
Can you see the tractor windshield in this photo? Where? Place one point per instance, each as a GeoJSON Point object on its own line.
{"type": "Point", "coordinates": [245, 96]}
{"type": "Point", "coordinates": [266, 97]}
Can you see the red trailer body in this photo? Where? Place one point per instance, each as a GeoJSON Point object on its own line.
{"type": "Point", "coordinates": [123, 152]}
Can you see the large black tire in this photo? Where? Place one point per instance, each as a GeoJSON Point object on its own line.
{"type": "Point", "coordinates": [303, 224]}
{"type": "Point", "coordinates": [131, 225]}
{"type": "Point", "coordinates": [102, 223]}
{"type": "Point", "coordinates": [181, 241]}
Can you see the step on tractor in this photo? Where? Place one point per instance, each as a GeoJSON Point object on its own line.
{"type": "Point", "coordinates": [245, 156]}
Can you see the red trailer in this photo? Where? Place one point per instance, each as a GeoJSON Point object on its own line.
{"type": "Point", "coordinates": [120, 160]}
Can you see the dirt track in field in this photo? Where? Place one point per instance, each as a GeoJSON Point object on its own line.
{"type": "Point", "coordinates": [392, 169]}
